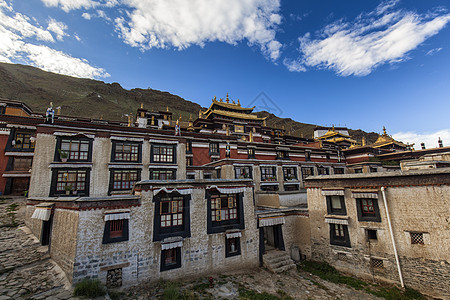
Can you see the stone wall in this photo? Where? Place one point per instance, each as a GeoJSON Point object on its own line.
{"type": "Point", "coordinates": [35, 225]}
{"type": "Point", "coordinates": [64, 239]}
{"type": "Point", "coordinates": [41, 175]}
{"type": "Point", "coordinates": [139, 257]}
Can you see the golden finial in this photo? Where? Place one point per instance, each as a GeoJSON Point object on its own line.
{"type": "Point", "coordinates": [200, 114]}
{"type": "Point", "coordinates": [233, 102]}
{"type": "Point", "coordinates": [167, 108]}
{"type": "Point", "coordinates": [239, 103]}
{"type": "Point", "coordinates": [363, 140]}
{"type": "Point", "coordinates": [215, 99]}
{"type": "Point", "coordinates": [332, 128]}
{"type": "Point", "coordinates": [227, 99]}
{"type": "Point", "coordinates": [142, 105]}
{"type": "Point", "coordinates": [384, 131]}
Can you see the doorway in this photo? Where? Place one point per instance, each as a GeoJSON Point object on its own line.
{"type": "Point", "coordinates": [46, 232]}
{"type": "Point", "coordinates": [273, 238]}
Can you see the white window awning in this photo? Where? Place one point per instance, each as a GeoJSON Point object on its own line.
{"type": "Point", "coordinates": [127, 138]}
{"type": "Point", "coordinates": [271, 221]}
{"type": "Point", "coordinates": [333, 192]}
{"type": "Point", "coordinates": [117, 216]}
{"type": "Point", "coordinates": [163, 141]}
{"type": "Point", "coordinates": [182, 191]}
{"type": "Point", "coordinates": [270, 183]}
{"type": "Point", "coordinates": [172, 245]}
{"type": "Point", "coordinates": [336, 221]}
{"type": "Point", "coordinates": [372, 195]}
{"type": "Point", "coordinates": [42, 213]}
{"type": "Point", "coordinates": [228, 190]}
{"type": "Point", "coordinates": [232, 235]}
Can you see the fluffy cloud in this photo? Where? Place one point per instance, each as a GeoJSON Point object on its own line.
{"type": "Point", "coordinates": [430, 139]}
{"type": "Point", "coordinates": [180, 24]}
{"type": "Point", "coordinates": [86, 16]}
{"type": "Point", "coordinates": [58, 28]}
{"type": "Point", "coordinates": [372, 39]}
{"type": "Point", "coordinates": [68, 5]}
{"type": "Point", "coordinates": [15, 34]}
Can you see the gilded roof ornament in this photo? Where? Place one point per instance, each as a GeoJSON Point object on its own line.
{"type": "Point", "coordinates": [239, 103]}
{"type": "Point", "coordinates": [227, 99]}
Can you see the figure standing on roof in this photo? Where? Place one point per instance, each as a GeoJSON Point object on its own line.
{"type": "Point", "coordinates": [50, 114]}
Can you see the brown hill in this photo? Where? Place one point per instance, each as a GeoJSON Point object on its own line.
{"type": "Point", "coordinates": [97, 99]}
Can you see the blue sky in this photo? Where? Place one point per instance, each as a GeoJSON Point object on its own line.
{"type": "Point", "coordinates": [362, 64]}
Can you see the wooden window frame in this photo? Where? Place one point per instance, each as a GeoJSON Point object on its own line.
{"type": "Point", "coordinates": [365, 216]}
{"type": "Point", "coordinates": [160, 154]}
{"type": "Point", "coordinates": [163, 174]}
{"type": "Point", "coordinates": [177, 261]}
{"type": "Point", "coordinates": [331, 210]}
{"type": "Point", "coordinates": [109, 238]}
{"type": "Point", "coordinates": [228, 246]}
{"type": "Point", "coordinates": [268, 176]}
{"type": "Point", "coordinates": [118, 153]}
{"type": "Point", "coordinates": [60, 191]}
{"type": "Point", "coordinates": [285, 173]}
{"type": "Point", "coordinates": [339, 235]}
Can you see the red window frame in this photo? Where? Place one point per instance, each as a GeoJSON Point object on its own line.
{"type": "Point", "coordinates": [116, 228]}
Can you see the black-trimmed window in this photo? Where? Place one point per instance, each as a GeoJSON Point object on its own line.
{"type": "Point", "coordinates": [214, 148]}
{"type": "Point", "coordinates": [69, 182]}
{"type": "Point", "coordinates": [243, 172]}
{"type": "Point", "coordinates": [373, 170]}
{"type": "Point", "coordinates": [307, 171]}
{"type": "Point", "coordinates": [338, 170]}
{"type": "Point", "coordinates": [170, 259]}
{"type": "Point", "coordinates": [172, 216]}
{"type": "Point", "coordinates": [251, 153]}
{"type": "Point", "coordinates": [282, 154]}
{"type": "Point", "coordinates": [358, 171]}
{"type": "Point", "coordinates": [232, 246]}
{"type": "Point", "coordinates": [225, 211]}
{"type": "Point", "coordinates": [163, 153]}
{"type": "Point", "coordinates": [189, 161]}
{"type": "Point", "coordinates": [323, 171]}
{"type": "Point", "coordinates": [124, 179]}
{"type": "Point", "coordinates": [339, 235]}
{"type": "Point", "coordinates": [291, 187]}
{"type": "Point", "coordinates": [371, 234]}
{"type": "Point", "coordinates": [76, 149]}
{"type": "Point", "coordinates": [22, 163]}
{"type": "Point", "coordinates": [163, 174]}
{"type": "Point", "coordinates": [115, 231]}
{"type": "Point", "coordinates": [22, 140]}
{"type": "Point", "coordinates": [368, 210]}
{"type": "Point", "coordinates": [336, 205]}
{"type": "Point", "coordinates": [268, 174]}
{"type": "Point", "coordinates": [189, 147]}
{"type": "Point", "coordinates": [308, 155]}
{"type": "Point", "coordinates": [2, 110]}
{"type": "Point", "coordinates": [228, 151]}
{"type": "Point", "coordinates": [290, 173]}
{"type": "Point", "coordinates": [126, 152]}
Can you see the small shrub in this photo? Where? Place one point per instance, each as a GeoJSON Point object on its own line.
{"type": "Point", "coordinates": [89, 288]}
{"type": "Point", "coordinates": [171, 292]}
{"type": "Point", "coordinates": [245, 294]}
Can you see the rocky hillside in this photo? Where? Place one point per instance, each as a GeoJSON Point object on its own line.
{"type": "Point", "coordinates": [109, 101]}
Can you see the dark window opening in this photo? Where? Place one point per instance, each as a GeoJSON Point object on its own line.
{"type": "Point", "coordinates": [115, 231]}
{"type": "Point", "coordinates": [223, 207]}
{"type": "Point", "coordinates": [225, 212]}
{"type": "Point", "coordinates": [339, 235]}
{"type": "Point", "coordinates": [291, 187]}
{"type": "Point", "coordinates": [124, 179]}
{"type": "Point", "coordinates": [336, 205]}
{"type": "Point", "coordinates": [170, 259]}
{"type": "Point", "coordinates": [307, 155]}
{"type": "Point", "coordinates": [190, 176]}
{"type": "Point", "coordinates": [162, 174]}
{"type": "Point", "coordinates": [251, 153]}
{"type": "Point", "coordinates": [22, 164]}
{"type": "Point", "coordinates": [338, 170]}
{"type": "Point", "coordinates": [357, 171]}
{"type": "Point", "coordinates": [323, 171]}
{"type": "Point", "coordinates": [307, 171]}
{"type": "Point", "coordinates": [23, 140]}
{"type": "Point", "coordinates": [417, 238]}
{"type": "Point", "coordinates": [189, 147]}
{"type": "Point", "coordinates": [373, 170]}
{"type": "Point", "coordinates": [290, 173]}
{"type": "Point", "coordinates": [71, 181]}
{"type": "Point", "coordinates": [371, 234]}
{"type": "Point", "coordinates": [126, 152]}
{"type": "Point", "coordinates": [269, 188]}
{"type": "Point", "coordinates": [233, 246]}
{"type": "Point", "coordinates": [172, 217]}
{"type": "Point", "coordinates": [75, 149]}
{"type": "Point", "coordinates": [163, 154]}
{"type": "Point", "coordinates": [214, 148]}
{"type": "Point", "coordinates": [207, 176]}
{"type": "Point", "coordinates": [268, 174]}
{"type": "Point", "coordinates": [368, 210]}
{"type": "Point", "coordinates": [189, 161]}
{"type": "Point", "coordinates": [243, 172]}
{"type": "Point", "coordinates": [282, 154]}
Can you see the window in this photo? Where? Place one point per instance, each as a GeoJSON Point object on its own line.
{"type": "Point", "coordinates": [371, 234]}
{"type": "Point", "coordinates": [218, 173]}
{"type": "Point", "coordinates": [290, 173]}
{"type": "Point", "coordinates": [171, 216]}
{"type": "Point", "coordinates": [163, 154]}
{"type": "Point", "coordinates": [223, 207]}
{"type": "Point", "coordinates": [22, 140]}
{"type": "Point", "coordinates": [214, 148]}
{"type": "Point", "coordinates": [207, 176]}
{"type": "Point", "coordinates": [243, 172]}
{"type": "Point", "coordinates": [227, 151]}
{"type": "Point", "coordinates": [70, 182]}
{"type": "Point", "coordinates": [376, 263]}
{"type": "Point", "coordinates": [359, 170]}
{"type": "Point", "coordinates": [170, 259]}
{"type": "Point", "coordinates": [2, 110]}
{"type": "Point", "coordinates": [417, 238]}
{"type": "Point", "coordinates": [323, 171]}
{"type": "Point", "coordinates": [291, 187]}
{"type": "Point", "coordinates": [373, 170]}
{"type": "Point", "coordinates": [189, 161]}
{"type": "Point", "coordinates": [189, 147]}
{"type": "Point", "coordinates": [308, 155]}
{"type": "Point", "coordinates": [126, 152]}
{"type": "Point", "coordinates": [162, 174]}
{"type": "Point", "coordinates": [368, 210]}
{"type": "Point", "coordinates": [115, 231]}
{"type": "Point", "coordinates": [281, 154]}
{"type": "Point", "coordinates": [269, 188]}
{"type": "Point", "coordinates": [124, 179]}
{"type": "Point", "coordinates": [307, 171]}
{"type": "Point", "coordinates": [190, 176]}
{"type": "Point", "coordinates": [76, 150]}
{"type": "Point", "coordinates": [339, 235]}
{"type": "Point", "coordinates": [232, 246]}
{"type": "Point", "coordinates": [251, 153]}
{"type": "Point", "coordinates": [336, 205]}
{"type": "Point", "coordinates": [114, 278]}
{"type": "Point", "coordinates": [338, 170]}
{"type": "Point", "coordinates": [239, 128]}
{"type": "Point", "coordinates": [268, 174]}
{"type": "Point", "coordinates": [225, 211]}
{"type": "Point", "coordinates": [22, 164]}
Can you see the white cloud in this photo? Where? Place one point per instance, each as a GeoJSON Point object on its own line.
{"type": "Point", "coordinates": [429, 138]}
{"type": "Point", "coordinates": [372, 39]}
{"type": "Point", "coordinates": [102, 14]}
{"type": "Point", "coordinates": [293, 65]}
{"type": "Point", "coordinates": [15, 34]}
{"type": "Point", "coordinates": [58, 28]}
{"type": "Point", "coordinates": [77, 37]}
{"type": "Point", "coordinates": [180, 24]}
{"type": "Point", "coordinates": [433, 51]}
{"type": "Point", "coordinates": [86, 16]}
{"type": "Point", "coordinates": [68, 5]}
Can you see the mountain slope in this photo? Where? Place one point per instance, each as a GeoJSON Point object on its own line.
{"type": "Point", "coordinates": [97, 99]}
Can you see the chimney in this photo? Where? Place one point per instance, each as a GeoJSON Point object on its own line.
{"type": "Point", "coordinates": [441, 144]}
{"type": "Point", "coordinates": [423, 146]}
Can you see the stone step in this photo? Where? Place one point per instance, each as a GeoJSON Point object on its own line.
{"type": "Point", "coordinates": [278, 261]}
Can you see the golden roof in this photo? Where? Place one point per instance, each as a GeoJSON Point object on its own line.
{"type": "Point", "coordinates": [234, 115]}
{"type": "Point", "coordinates": [385, 140]}
{"type": "Point", "coordinates": [332, 133]}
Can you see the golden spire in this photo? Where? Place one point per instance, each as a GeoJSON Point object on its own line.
{"type": "Point", "coordinates": [200, 114]}
{"type": "Point", "coordinates": [233, 101]}
{"type": "Point", "coordinates": [167, 109]}
{"type": "Point", "coordinates": [239, 103]}
{"type": "Point", "coordinates": [363, 140]}
{"type": "Point", "coordinates": [215, 98]}
{"type": "Point", "coordinates": [384, 131]}
{"type": "Point", "coordinates": [142, 105]}
{"type": "Point", "coordinates": [227, 99]}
